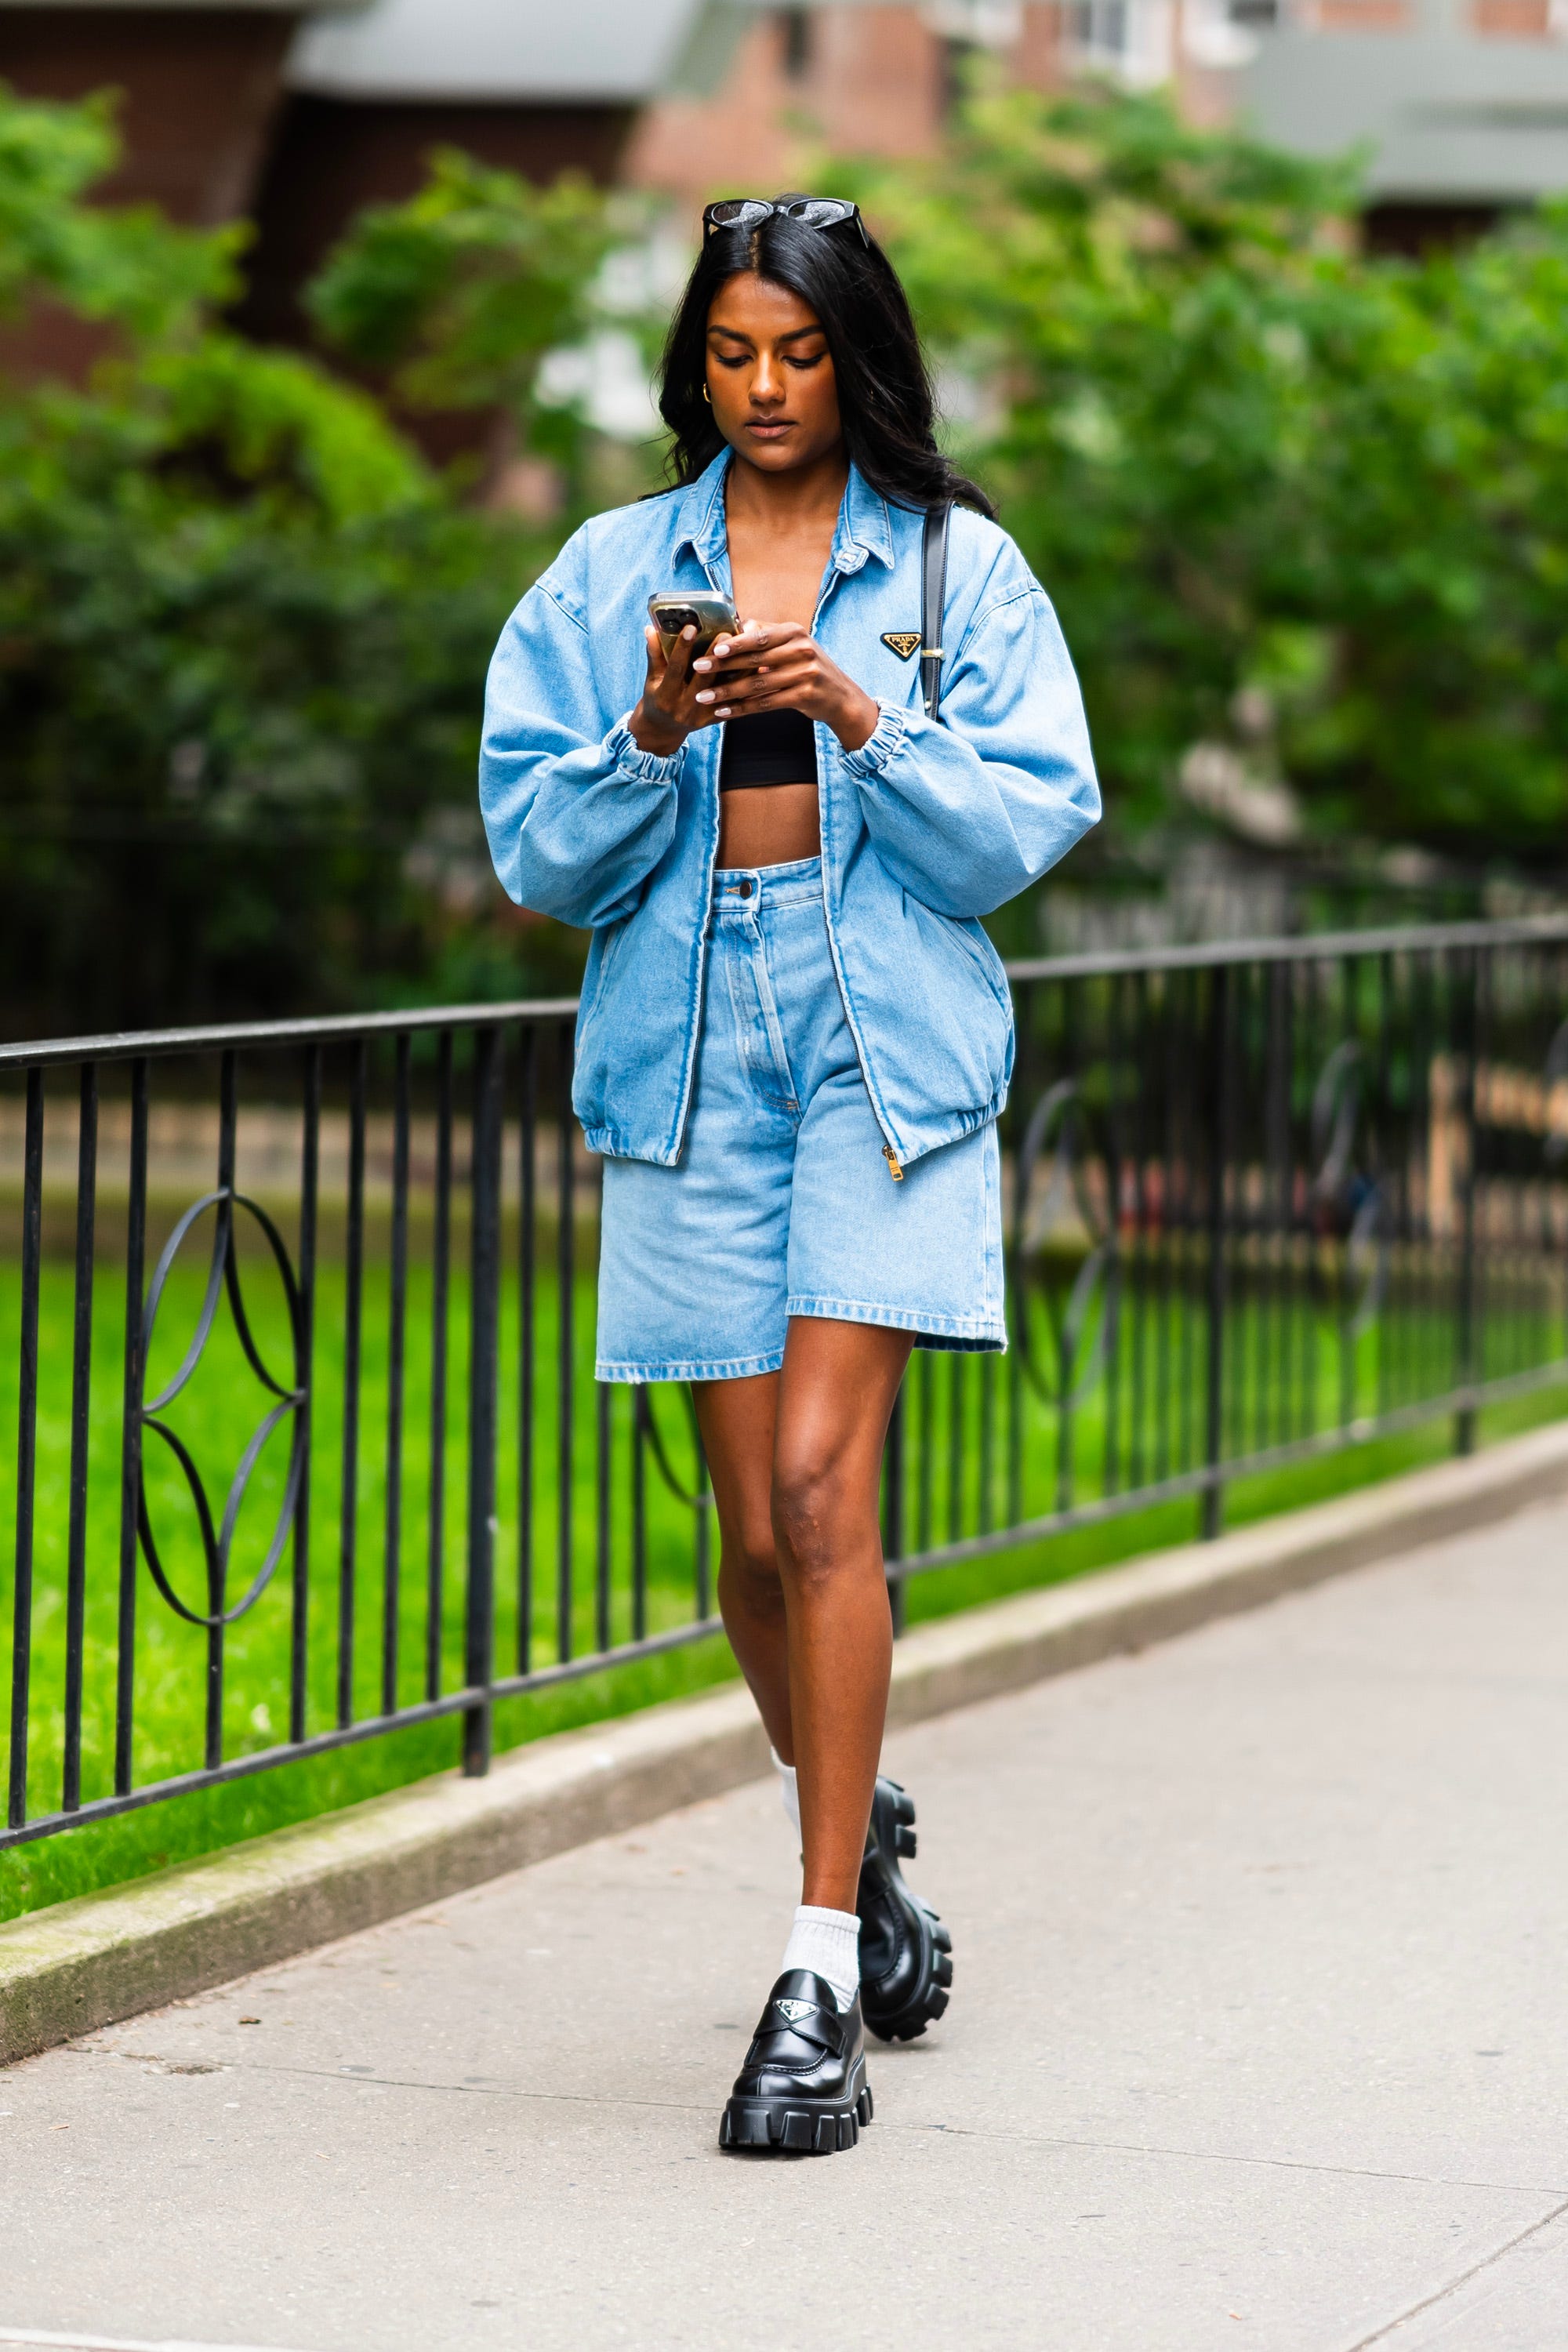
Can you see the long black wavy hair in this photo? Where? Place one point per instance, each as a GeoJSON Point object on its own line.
{"type": "Point", "coordinates": [884, 387]}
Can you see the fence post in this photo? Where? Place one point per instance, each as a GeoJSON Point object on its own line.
{"type": "Point", "coordinates": [1219, 1146]}
{"type": "Point", "coordinates": [484, 1320]}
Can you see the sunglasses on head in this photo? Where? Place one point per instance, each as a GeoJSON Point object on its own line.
{"type": "Point", "coordinates": [750, 211]}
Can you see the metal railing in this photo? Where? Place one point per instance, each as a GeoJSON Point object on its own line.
{"type": "Point", "coordinates": [302, 1320]}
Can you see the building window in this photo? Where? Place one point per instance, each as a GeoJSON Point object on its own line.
{"type": "Point", "coordinates": [794, 41]}
{"type": "Point", "coordinates": [1225, 33]}
{"type": "Point", "coordinates": [1131, 39]}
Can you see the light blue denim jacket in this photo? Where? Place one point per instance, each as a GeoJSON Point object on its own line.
{"type": "Point", "coordinates": [925, 828]}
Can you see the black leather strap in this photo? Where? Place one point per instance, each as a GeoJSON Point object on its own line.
{"type": "Point", "coordinates": [934, 599]}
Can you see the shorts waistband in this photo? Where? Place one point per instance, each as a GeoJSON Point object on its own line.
{"type": "Point", "coordinates": [747, 890]}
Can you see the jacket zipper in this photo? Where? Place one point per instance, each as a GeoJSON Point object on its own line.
{"type": "Point", "coordinates": [895, 1167]}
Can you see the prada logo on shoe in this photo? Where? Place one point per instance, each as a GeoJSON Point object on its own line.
{"type": "Point", "coordinates": [903, 642]}
{"type": "Point", "coordinates": [795, 2010]}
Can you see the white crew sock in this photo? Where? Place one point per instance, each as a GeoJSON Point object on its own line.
{"type": "Point", "coordinates": [827, 1942]}
{"type": "Point", "coordinates": [789, 1788]}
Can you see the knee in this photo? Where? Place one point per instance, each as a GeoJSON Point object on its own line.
{"type": "Point", "coordinates": [750, 1559]}
{"type": "Point", "coordinates": [811, 1507]}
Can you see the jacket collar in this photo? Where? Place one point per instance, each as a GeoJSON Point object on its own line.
{"type": "Point", "coordinates": [865, 527]}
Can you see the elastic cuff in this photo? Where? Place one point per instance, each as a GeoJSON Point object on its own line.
{"type": "Point", "coordinates": [880, 744]}
{"type": "Point", "coordinates": [623, 752]}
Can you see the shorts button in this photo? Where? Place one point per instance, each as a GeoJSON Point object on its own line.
{"type": "Point", "coordinates": [745, 889]}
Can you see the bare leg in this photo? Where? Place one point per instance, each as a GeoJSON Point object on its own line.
{"type": "Point", "coordinates": [836, 1394]}
{"type": "Point", "coordinates": [797, 1464]}
{"type": "Point", "coordinates": [737, 1419]}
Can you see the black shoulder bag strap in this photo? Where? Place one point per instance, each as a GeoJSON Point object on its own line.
{"type": "Point", "coordinates": [934, 597]}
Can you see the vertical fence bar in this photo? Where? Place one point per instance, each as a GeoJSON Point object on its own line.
{"type": "Point", "coordinates": [309, 1196]}
{"type": "Point", "coordinates": [484, 1330]}
{"type": "Point", "coordinates": [1164, 1266]}
{"type": "Point", "coordinates": [639, 1513]}
{"type": "Point", "coordinates": [527, 1307]}
{"type": "Point", "coordinates": [81, 1390]}
{"type": "Point", "coordinates": [1381, 1129]}
{"type": "Point", "coordinates": [130, 1430]}
{"type": "Point", "coordinates": [1184, 1128]}
{"type": "Point", "coordinates": [1110, 1354]}
{"type": "Point", "coordinates": [353, 1299]}
{"type": "Point", "coordinates": [218, 1596]}
{"type": "Point", "coordinates": [26, 1447]}
{"type": "Point", "coordinates": [565, 1277]}
{"type": "Point", "coordinates": [440, 1308]}
{"type": "Point", "coordinates": [955, 1400]}
{"type": "Point", "coordinates": [396, 1325]}
{"type": "Point", "coordinates": [1219, 1143]}
{"type": "Point", "coordinates": [1271, 1416]}
{"type": "Point", "coordinates": [602, 1457]}
{"type": "Point", "coordinates": [1135, 1294]}
{"type": "Point", "coordinates": [1465, 982]}
{"type": "Point", "coordinates": [926, 1473]}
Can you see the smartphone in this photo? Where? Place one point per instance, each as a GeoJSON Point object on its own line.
{"type": "Point", "coordinates": [674, 609]}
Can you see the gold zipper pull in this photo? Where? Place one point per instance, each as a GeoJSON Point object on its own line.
{"type": "Point", "coordinates": [891, 1157]}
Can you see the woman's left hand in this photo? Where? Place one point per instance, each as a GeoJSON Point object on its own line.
{"type": "Point", "coordinates": [779, 666]}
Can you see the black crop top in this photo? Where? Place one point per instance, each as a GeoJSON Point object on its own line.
{"type": "Point", "coordinates": [774, 747]}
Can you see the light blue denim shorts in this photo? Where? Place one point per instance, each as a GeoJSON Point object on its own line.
{"type": "Point", "coordinates": [781, 1202]}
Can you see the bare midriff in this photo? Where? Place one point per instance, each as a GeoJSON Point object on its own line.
{"type": "Point", "coordinates": [768, 825]}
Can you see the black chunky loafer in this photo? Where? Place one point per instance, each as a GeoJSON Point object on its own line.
{"type": "Point", "coordinates": [803, 2089]}
{"type": "Point", "coordinates": [905, 1964]}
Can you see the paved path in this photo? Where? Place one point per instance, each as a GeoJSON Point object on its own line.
{"type": "Point", "coordinates": [1258, 2040]}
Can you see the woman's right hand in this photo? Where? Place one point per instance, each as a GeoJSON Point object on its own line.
{"type": "Point", "coordinates": [668, 709]}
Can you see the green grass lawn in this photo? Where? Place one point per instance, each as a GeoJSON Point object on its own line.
{"type": "Point", "coordinates": [957, 1477]}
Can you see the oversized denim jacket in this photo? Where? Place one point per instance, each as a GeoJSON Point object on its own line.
{"type": "Point", "coordinates": [925, 828]}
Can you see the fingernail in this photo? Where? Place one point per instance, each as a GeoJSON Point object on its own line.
{"type": "Point", "coordinates": [722, 714]}
{"type": "Point", "coordinates": [702, 663]}
{"type": "Point", "coordinates": [705, 697]}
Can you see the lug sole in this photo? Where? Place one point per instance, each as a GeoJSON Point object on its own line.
{"type": "Point", "coordinates": [795, 2127]}
{"type": "Point", "coordinates": [906, 2024]}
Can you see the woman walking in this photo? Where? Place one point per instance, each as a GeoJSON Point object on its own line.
{"type": "Point", "coordinates": [795, 1037]}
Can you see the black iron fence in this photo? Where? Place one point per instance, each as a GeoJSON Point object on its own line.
{"type": "Point", "coordinates": [299, 1318]}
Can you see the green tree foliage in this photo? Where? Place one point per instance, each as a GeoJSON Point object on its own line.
{"type": "Point", "coordinates": [243, 622]}
{"type": "Point", "coordinates": [459, 295]}
{"type": "Point", "coordinates": [243, 630]}
{"type": "Point", "coordinates": [1257, 469]}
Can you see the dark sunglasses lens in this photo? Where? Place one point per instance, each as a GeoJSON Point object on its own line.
{"type": "Point", "coordinates": [821, 212]}
{"type": "Point", "coordinates": [737, 211]}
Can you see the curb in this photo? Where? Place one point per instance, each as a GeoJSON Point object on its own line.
{"type": "Point", "coordinates": [85, 1963]}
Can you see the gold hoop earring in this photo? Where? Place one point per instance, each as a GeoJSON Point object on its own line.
{"type": "Point", "coordinates": [708, 395]}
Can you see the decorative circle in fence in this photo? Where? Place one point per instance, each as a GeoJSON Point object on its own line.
{"type": "Point", "coordinates": [218, 1535]}
{"type": "Point", "coordinates": [1083, 1314]}
{"type": "Point", "coordinates": [695, 1498]}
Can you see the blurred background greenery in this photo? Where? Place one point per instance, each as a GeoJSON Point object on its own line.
{"type": "Point", "coordinates": [1303, 509]}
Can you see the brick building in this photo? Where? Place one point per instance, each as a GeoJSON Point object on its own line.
{"type": "Point", "coordinates": [297, 111]}
{"type": "Point", "coordinates": [201, 83]}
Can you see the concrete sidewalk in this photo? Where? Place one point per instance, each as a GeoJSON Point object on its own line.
{"type": "Point", "coordinates": [1258, 2038]}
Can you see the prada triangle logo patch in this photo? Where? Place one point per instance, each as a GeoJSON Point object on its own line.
{"type": "Point", "coordinates": [795, 2010]}
{"type": "Point", "coordinates": [904, 641]}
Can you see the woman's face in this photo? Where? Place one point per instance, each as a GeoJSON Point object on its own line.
{"type": "Point", "coordinates": [769, 376]}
